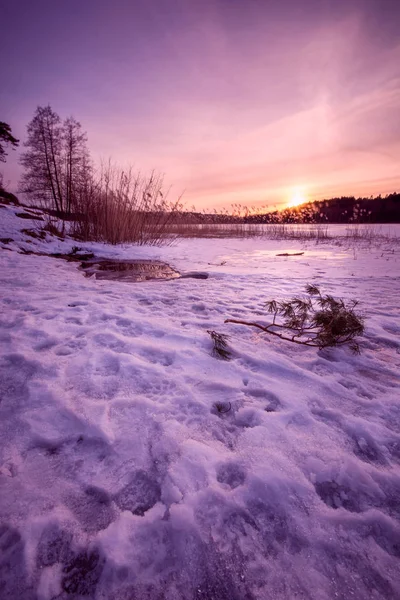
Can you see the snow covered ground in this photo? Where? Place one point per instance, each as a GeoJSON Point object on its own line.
{"type": "Point", "coordinates": [119, 478]}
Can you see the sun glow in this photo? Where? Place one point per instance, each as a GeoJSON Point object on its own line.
{"type": "Point", "coordinates": [298, 197]}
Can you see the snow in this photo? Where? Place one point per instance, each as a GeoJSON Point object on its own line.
{"type": "Point", "coordinates": [119, 477]}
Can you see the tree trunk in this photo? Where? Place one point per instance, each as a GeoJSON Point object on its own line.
{"type": "Point", "coordinates": [56, 174]}
{"type": "Point", "coordinates": [48, 168]}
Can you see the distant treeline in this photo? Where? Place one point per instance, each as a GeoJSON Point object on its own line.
{"type": "Point", "coordinates": [346, 209]}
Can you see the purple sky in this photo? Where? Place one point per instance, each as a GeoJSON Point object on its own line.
{"type": "Point", "coordinates": [234, 100]}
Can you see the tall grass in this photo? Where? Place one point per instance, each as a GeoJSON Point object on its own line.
{"type": "Point", "coordinates": [275, 231]}
{"type": "Point", "coordinates": [121, 206]}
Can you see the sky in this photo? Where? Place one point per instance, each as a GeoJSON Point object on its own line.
{"type": "Point", "coordinates": [253, 102]}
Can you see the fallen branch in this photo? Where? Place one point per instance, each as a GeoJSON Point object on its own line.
{"type": "Point", "coordinates": [267, 330]}
{"type": "Point", "coordinates": [317, 321]}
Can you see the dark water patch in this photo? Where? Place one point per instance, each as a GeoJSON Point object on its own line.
{"type": "Point", "coordinates": [129, 270]}
{"type": "Point", "coordinates": [135, 270]}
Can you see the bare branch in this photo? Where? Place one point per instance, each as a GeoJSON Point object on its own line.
{"type": "Point", "coordinates": [317, 321]}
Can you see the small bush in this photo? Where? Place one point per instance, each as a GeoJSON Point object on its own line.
{"type": "Point", "coordinates": [220, 347]}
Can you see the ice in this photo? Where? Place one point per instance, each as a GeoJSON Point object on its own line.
{"type": "Point", "coordinates": [135, 465]}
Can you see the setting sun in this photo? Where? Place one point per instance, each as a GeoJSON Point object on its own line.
{"type": "Point", "coordinates": [298, 197]}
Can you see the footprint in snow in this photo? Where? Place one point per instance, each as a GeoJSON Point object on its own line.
{"type": "Point", "coordinates": [13, 572]}
{"type": "Point", "coordinates": [270, 401]}
{"type": "Point", "coordinates": [231, 474]}
{"type": "Point", "coordinates": [157, 357]}
{"type": "Point", "coordinates": [81, 574]}
{"type": "Point", "coordinates": [110, 341]}
{"type": "Point", "coordinates": [53, 547]}
{"type": "Point", "coordinates": [92, 507]}
{"type": "Point", "coordinates": [139, 495]}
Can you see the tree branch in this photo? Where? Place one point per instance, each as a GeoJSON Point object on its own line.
{"type": "Point", "coordinates": [266, 330]}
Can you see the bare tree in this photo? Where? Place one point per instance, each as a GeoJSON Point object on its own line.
{"type": "Point", "coordinates": [57, 162]}
{"type": "Point", "coordinates": [76, 163]}
{"type": "Point", "coordinates": [43, 159]}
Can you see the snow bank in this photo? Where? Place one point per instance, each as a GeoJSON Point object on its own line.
{"type": "Point", "coordinates": [120, 479]}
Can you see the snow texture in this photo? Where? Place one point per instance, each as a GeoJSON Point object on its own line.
{"type": "Point", "coordinates": [121, 480]}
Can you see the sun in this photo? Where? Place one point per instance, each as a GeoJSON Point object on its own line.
{"type": "Point", "coordinates": [298, 197]}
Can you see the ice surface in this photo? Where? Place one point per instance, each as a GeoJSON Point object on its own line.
{"type": "Point", "coordinates": [121, 480]}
